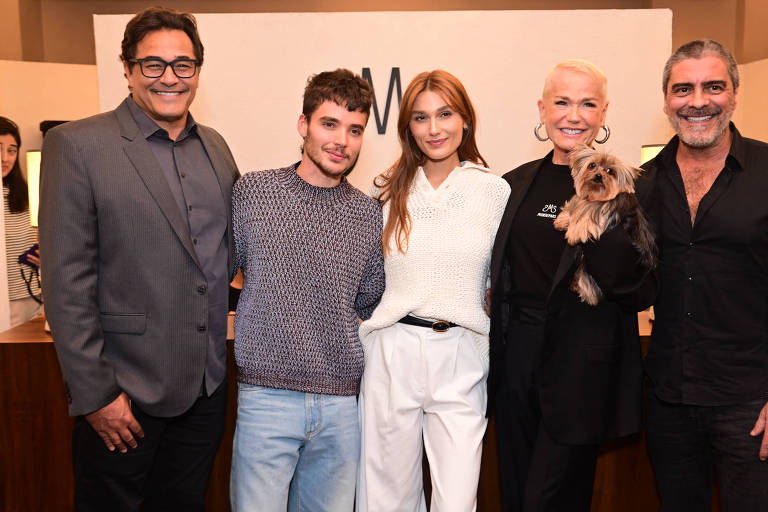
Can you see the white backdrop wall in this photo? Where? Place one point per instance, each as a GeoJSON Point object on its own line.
{"type": "Point", "coordinates": [256, 66]}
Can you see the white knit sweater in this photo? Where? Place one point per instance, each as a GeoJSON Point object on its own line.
{"type": "Point", "coordinates": [444, 271]}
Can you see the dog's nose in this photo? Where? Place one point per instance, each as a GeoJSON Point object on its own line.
{"type": "Point", "coordinates": [598, 178]}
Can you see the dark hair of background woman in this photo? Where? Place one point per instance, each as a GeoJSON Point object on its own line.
{"type": "Point", "coordinates": [18, 196]}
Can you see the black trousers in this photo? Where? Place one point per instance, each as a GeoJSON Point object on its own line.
{"type": "Point", "coordinates": [168, 470]}
{"type": "Point", "coordinates": [536, 473]}
{"type": "Point", "coordinates": [689, 445]}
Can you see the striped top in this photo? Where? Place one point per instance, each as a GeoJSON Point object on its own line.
{"type": "Point", "coordinates": [19, 236]}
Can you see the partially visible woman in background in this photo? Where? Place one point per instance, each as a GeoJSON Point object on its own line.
{"type": "Point", "coordinates": [20, 236]}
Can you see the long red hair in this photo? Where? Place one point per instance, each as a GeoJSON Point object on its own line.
{"type": "Point", "coordinates": [395, 183]}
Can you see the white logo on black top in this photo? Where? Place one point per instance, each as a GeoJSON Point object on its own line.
{"type": "Point", "coordinates": [549, 211]}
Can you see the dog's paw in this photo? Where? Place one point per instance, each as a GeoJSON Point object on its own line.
{"type": "Point", "coordinates": [562, 221]}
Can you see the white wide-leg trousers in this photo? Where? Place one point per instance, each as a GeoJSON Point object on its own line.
{"type": "Point", "coordinates": [418, 381]}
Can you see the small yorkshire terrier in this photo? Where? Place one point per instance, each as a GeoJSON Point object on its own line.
{"type": "Point", "coordinates": [605, 197]}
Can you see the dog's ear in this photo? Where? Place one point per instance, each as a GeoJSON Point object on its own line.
{"type": "Point", "coordinates": [625, 175]}
{"type": "Point", "coordinates": [578, 157]}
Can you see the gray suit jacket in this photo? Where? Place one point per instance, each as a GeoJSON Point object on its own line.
{"type": "Point", "coordinates": [123, 289]}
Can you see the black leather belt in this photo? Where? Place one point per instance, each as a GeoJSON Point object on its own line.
{"type": "Point", "coordinates": [437, 325]}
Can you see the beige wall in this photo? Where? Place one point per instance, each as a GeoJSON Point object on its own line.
{"type": "Point", "coordinates": [21, 30]}
{"type": "Point", "coordinates": [752, 103]}
{"type": "Point", "coordinates": [755, 31]}
{"type": "Point", "coordinates": [31, 92]}
{"type": "Point", "coordinates": [712, 19]}
{"type": "Point", "coordinates": [62, 30]}
{"type": "Point", "coordinates": [10, 30]}
{"type": "Point", "coordinates": [30, 16]}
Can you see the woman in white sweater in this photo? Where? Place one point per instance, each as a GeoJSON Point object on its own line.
{"type": "Point", "coordinates": [426, 344]}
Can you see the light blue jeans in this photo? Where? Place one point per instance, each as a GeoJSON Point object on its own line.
{"type": "Point", "coordinates": [294, 451]}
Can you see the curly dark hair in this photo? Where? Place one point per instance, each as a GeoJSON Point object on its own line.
{"type": "Point", "coordinates": [342, 87]}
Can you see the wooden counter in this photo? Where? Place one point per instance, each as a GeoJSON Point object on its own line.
{"type": "Point", "coordinates": [36, 435]}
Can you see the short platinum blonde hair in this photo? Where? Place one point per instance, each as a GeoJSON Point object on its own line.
{"type": "Point", "coordinates": [579, 66]}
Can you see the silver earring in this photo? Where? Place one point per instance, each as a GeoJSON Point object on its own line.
{"type": "Point", "coordinates": [536, 133]}
{"type": "Point", "coordinates": [607, 135]}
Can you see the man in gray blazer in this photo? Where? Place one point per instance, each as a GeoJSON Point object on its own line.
{"type": "Point", "coordinates": [136, 240]}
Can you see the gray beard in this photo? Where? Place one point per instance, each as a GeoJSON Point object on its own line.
{"type": "Point", "coordinates": [699, 141]}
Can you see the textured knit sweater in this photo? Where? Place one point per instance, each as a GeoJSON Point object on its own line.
{"type": "Point", "coordinates": [312, 262]}
{"type": "Point", "coordinates": [443, 273]}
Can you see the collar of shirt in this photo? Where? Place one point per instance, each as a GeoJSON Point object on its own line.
{"type": "Point", "coordinates": [148, 127]}
{"type": "Point", "coordinates": [422, 182]}
{"type": "Point", "coordinates": [735, 160]}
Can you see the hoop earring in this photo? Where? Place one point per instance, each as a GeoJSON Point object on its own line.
{"type": "Point", "coordinates": [536, 133]}
{"type": "Point", "coordinates": [607, 135]}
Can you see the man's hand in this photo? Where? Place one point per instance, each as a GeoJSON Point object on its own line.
{"type": "Point", "coordinates": [761, 427]}
{"type": "Point", "coordinates": [116, 424]}
{"type": "Point", "coordinates": [487, 304]}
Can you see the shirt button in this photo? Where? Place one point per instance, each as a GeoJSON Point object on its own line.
{"type": "Point", "coordinates": [690, 244]}
{"type": "Point", "coordinates": [201, 328]}
{"type": "Point", "coordinates": [690, 278]}
{"type": "Point", "coordinates": [182, 175]}
{"type": "Point", "coordinates": [202, 289]}
{"type": "Point", "coordinates": [190, 207]}
{"type": "Point", "coordinates": [194, 241]}
{"type": "Point", "coordinates": [689, 314]}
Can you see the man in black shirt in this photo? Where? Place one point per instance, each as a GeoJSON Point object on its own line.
{"type": "Point", "coordinates": [708, 359]}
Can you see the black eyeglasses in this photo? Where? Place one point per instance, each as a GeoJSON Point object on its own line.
{"type": "Point", "coordinates": [152, 67]}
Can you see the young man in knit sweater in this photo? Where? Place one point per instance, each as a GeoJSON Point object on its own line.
{"type": "Point", "coordinates": [309, 245]}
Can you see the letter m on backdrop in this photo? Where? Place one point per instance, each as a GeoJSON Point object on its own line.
{"type": "Point", "coordinates": [394, 81]}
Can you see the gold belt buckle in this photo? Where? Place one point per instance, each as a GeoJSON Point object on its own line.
{"type": "Point", "coordinates": [440, 326]}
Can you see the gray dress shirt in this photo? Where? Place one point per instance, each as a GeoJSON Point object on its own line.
{"type": "Point", "coordinates": [193, 183]}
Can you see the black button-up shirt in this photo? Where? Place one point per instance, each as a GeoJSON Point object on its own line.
{"type": "Point", "coordinates": [710, 339]}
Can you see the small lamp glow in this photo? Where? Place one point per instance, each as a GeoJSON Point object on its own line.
{"type": "Point", "coordinates": [649, 151]}
{"type": "Point", "coordinates": [33, 184]}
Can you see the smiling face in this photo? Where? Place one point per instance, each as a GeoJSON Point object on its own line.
{"type": "Point", "coordinates": [572, 109]}
{"type": "Point", "coordinates": [437, 129]}
{"type": "Point", "coordinates": [9, 152]}
{"type": "Point", "coordinates": [700, 100]}
{"type": "Point", "coordinates": [332, 137]}
{"type": "Point", "coordinates": [165, 99]}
